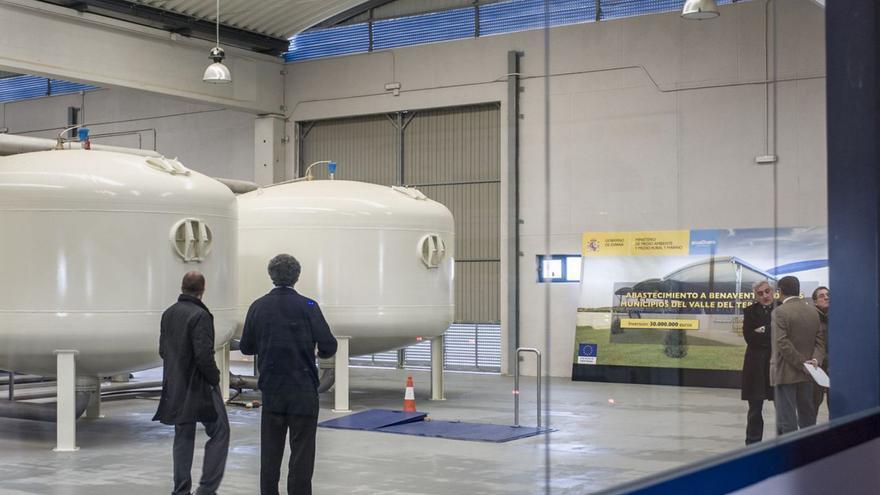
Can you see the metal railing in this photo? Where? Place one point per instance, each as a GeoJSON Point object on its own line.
{"type": "Point", "coordinates": [467, 347]}
{"type": "Point", "coordinates": [516, 385]}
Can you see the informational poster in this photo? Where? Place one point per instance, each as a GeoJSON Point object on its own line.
{"type": "Point", "coordinates": [674, 299]}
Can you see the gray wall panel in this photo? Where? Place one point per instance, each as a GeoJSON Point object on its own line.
{"type": "Point", "coordinates": [453, 145]}
{"type": "Point", "coordinates": [363, 147]}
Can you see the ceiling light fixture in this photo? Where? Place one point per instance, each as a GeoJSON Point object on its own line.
{"type": "Point", "coordinates": [700, 9]}
{"type": "Point", "coordinates": [217, 73]}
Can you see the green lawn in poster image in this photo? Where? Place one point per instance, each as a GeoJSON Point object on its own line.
{"type": "Point", "coordinates": [698, 357]}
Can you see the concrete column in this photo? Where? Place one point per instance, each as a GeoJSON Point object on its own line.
{"type": "Point", "coordinates": [341, 392]}
{"type": "Point", "coordinates": [221, 356]}
{"type": "Point", "coordinates": [66, 399]}
{"type": "Point", "coordinates": [269, 141]}
{"type": "Point", "coordinates": [437, 348]}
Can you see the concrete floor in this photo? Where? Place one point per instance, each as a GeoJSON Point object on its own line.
{"type": "Point", "coordinates": [598, 443]}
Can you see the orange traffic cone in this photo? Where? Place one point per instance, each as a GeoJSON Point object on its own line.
{"type": "Point", "coordinates": [409, 398]}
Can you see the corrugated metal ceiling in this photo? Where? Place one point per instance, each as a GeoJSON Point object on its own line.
{"type": "Point", "coordinates": [276, 18]}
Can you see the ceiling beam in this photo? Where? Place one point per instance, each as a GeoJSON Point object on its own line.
{"type": "Point", "coordinates": [46, 40]}
{"type": "Point", "coordinates": [345, 16]}
{"type": "Point", "coordinates": [177, 23]}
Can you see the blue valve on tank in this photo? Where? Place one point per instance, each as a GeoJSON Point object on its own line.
{"type": "Point", "coordinates": [331, 168]}
{"type": "Point", "coordinates": [83, 133]}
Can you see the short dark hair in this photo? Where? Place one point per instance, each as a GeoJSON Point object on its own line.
{"type": "Point", "coordinates": [193, 284]}
{"type": "Point", "coordinates": [816, 292]}
{"type": "Point", "coordinates": [284, 270]}
{"type": "Point", "coordinates": [789, 286]}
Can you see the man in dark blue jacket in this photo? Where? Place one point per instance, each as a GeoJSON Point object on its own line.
{"type": "Point", "coordinates": [190, 387]}
{"type": "Point", "coordinates": [284, 329]}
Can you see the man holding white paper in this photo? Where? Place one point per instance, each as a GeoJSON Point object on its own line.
{"type": "Point", "coordinates": [797, 338]}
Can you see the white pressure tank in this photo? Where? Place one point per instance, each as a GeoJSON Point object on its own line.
{"type": "Point", "coordinates": [378, 260]}
{"type": "Point", "coordinates": [94, 246]}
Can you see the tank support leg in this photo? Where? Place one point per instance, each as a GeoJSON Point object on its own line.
{"type": "Point", "coordinates": [93, 387]}
{"type": "Point", "coordinates": [437, 391]}
{"type": "Point", "coordinates": [341, 392]}
{"type": "Point", "coordinates": [221, 356]}
{"type": "Point", "coordinates": [65, 434]}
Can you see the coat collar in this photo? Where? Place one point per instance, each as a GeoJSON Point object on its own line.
{"type": "Point", "coordinates": [282, 290]}
{"type": "Point", "coordinates": [194, 300]}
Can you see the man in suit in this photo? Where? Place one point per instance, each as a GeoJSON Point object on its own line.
{"type": "Point", "coordinates": [756, 363]}
{"type": "Point", "coordinates": [190, 387]}
{"type": "Point", "coordinates": [797, 339]}
{"type": "Point", "coordinates": [284, 329]}
{"type": "Point", "coordinates": [822, 301]}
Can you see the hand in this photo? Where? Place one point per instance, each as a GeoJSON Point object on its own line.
{"type": "Point", "coordinates": [814, 362]}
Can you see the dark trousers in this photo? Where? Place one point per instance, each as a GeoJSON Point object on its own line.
{"type": "Point", "coordinates": [819, 394]}
{"type": "Point", "coordinates": [273, 433]}
{"type": "Point", "coordinates": [216, 450]}
{"type": "Point", "coordinates": [755, 422]}
{"type": "Point", "coordinates": [794, 406]}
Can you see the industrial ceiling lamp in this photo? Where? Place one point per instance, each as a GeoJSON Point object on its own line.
{"type": "Point", "coordinates": [700, 9]}
{"type": "Point", "coordinates": [217, 73]}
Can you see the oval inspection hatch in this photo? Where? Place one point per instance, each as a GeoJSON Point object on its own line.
{"type": "Point", "coordinates": [432, 250]}
{"type": "Point", "coordinates": [192, 239]}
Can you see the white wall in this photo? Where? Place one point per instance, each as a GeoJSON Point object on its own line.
{"type": "Point", "coordinates": [206, 138]}
{"type": "Point", "coordinates": [655, 124]}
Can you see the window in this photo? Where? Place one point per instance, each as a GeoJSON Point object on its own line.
{"type": "Point", "coordinates": [559, 268]}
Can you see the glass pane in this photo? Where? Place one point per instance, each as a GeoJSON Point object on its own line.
{"type": "Point", "coordinates": [573, 268]}
{"type": "Point", "coordinates": [551, 269]}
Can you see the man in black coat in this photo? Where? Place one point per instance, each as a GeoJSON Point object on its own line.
{"type": "Point", "coordinates": [284, 329]}
{"type": "Point", "coordinates": [190, 387]}
{"type": "Point", "coordinates": [756, 364]}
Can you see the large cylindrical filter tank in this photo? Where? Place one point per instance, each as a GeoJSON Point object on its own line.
{"type": "Point", "coordinates": [379, 260]}
{"type": "Point", "coordinates": [93, 251]}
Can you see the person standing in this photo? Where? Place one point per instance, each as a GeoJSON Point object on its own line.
{"type": "Point", "coordinates": [284, 329]}
{"type": "Point", "coordinates": [190, 388]}
{"type": "Point", "coordinates": [797, 338]}
{"type": "Point", "coordinates": [756, 363]}
{"type": "Point", "coordinates": [822, 301]}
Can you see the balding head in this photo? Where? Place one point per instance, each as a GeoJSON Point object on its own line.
{"type": "Point", "coordinates": [193, 284]}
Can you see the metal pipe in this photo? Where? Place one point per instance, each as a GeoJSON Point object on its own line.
{"type": "Point", "coordinates": [19, 379]}
{"type": "Point", "coordinates": [40, 412]}
{"type": "Point", "coordinates": [243, 382]}
{"type": "Point", "coordinates": [516, 384]}
{"type": "Point", "coordinates": [238, 187]}
{"type": "Point", "coordinates": [12, 145]}
{"type": "Point", "coordinates": [113, 387]}
{"type": "Point", "coordinates": [328, 378]}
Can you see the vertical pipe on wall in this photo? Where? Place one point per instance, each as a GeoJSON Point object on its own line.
{"type": "Point", "coordinates": [853, 97]}
{"type": "Point", "coordinates": [400, 150]}
{"type": "Point", "coordinates": [513, 89]}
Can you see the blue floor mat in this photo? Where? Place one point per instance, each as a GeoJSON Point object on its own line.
{"type": "Point", "coordinates": [373, 419]}
{"type": "Point", "coordinates": [414, 423]}
{"type": "Point", "coordinates": [455, 430]}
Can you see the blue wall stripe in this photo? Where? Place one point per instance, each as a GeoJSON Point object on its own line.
{"type": "Point", "coordinates": [23, 87]}
{"type": "Point", "coordinates": [424, 28]}
{"type": "Point", "coordinates": [507, 16]}
{"type": "Point", "coordinates": [522, 15]}
{"type": "Point", "coordinates": [341, 40]}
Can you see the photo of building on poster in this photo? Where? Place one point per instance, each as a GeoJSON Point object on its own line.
{"type": "Point", "coordinates": [674, 299]}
